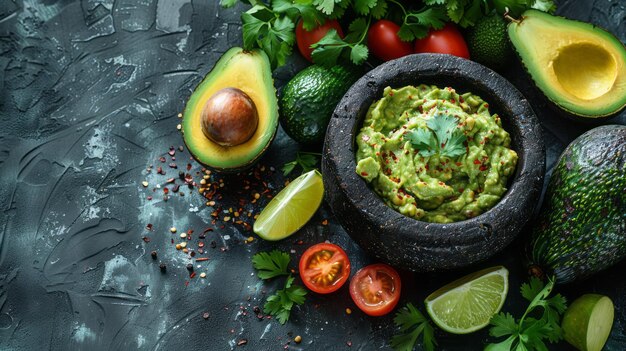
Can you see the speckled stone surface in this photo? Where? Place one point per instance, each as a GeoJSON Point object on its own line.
{"type": "Point", "coordinates": [90, 93]}
{"type": "Point", "coordinates": [421, 246]}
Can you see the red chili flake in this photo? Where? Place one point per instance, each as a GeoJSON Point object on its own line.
{"type": "Point", "coordinates": [325, 222]}
{"type": "Point", "coordinates": [476, 162]}
{"type": "Point", "coordinates": [149, 226]}
{"type": "Point", "coordinates": [242, 342]}
{"type": "Point", "coordinates": [461, 100]}
{"type": "Point", "coordinates": [426, 166]}
{"type": "Point", "coordinates": [189, 166]}
{"type": "Point", "coordinates": [459, 164]}
{"type": "Point", "coordinates": [453, 101]}
{"type": "Point", "coordinates": [149, 198]}
{"type": "Point", "coordinates": [172, 152]}
{"type": "Point", "coordinates": [170, 180]}
{"type": "Point", "coordinates": [364, 174]}
{"type": "Point", "coordinates": [201, 244]}
{"type": "Point", "coordinates": [160, 170]}
{"type": "Point", "coordinates": [162, 159]}
{"type": "Point", "coordinates": [173, 165]}
{"type": "Point", "coordinates": [349, 343]}
{"type": "Point", "coordinates": [486, 105]}
{"type": "Point", "coordinates": [166, 190]}
{"type": "Point", "coordinates": [441, 183]}
{"type": "Point", "coordinates": [483, 168]}
{"type": "Point", "coordinates": [146, 239]}
{"type": "Point", "coordinates": [391, 93]}
{"type": "Point", "coordinates": [399, 196]}
{"type": "Point", "coordinates": [176, 188]}
{"type": "Point", "coordinates": [201, 251]}
{"type": "Point", "coordinates": [192, 275]}
{"type": "Point", "coordinates": [186, 282]}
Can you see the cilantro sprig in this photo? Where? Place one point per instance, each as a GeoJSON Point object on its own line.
{"type": "Point", "coordinates": [330, 48]}
{"type": "Point", "coordinates": [442, 137]}
{"type": "Point", "coordinates": [306, 161]}
{"type": "Point", "coordinates": [529, 333]}
{"type": "Point", "coordinates": [412, 324]}
{"type": "Point", "coordinates": [274, 264]}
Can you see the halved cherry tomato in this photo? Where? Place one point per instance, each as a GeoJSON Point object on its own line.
{"type": "Point", "coordinates": [324, 268]}
{"type": "Point", "coordinates": [447, 40]}
{"type": "Point", "coordinates": [375, 289]}
{"type": "Point", "coordinates": [305, 38]}
{"type": "Point", "coordinates": [384, 42]}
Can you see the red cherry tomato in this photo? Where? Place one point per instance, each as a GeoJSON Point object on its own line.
{"type": "Point", "coordinates": [447, 40]}
{"type": "Point", "coordinates": [324, 268]}
{"type": "Point", "coordinates": [305, 38]}
{"type": "Point", "coordinates": [375, 289]}
{"type": "Point", "coordinates": [383, 41]}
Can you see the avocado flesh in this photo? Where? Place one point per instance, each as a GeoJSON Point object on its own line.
{"type": "Point", "coordinates": [250, 72]}
{"type": "Point", "coordinates": [579, 67]}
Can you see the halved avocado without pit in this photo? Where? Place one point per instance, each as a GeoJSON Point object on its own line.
{"type": "Point", "coordinates": [232, 116]}
{"type": "Point", "coordinates": [581, 68]}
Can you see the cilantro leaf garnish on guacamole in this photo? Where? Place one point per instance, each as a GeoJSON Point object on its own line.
{"type": "Point", "coordinates": [442, 137]}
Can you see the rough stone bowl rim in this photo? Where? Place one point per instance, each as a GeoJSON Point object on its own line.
{"type": "Point", "coordinates": [428, 236]}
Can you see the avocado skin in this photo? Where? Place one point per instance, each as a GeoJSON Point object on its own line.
{"type": "Point", "coordinates": [488, 43]}
{"type": "Point", "coordinates": [404, 242]}
{"type": "Point", "coordinates": [582, 226]}
{"type": "Point", "coordinates": [307, 101]}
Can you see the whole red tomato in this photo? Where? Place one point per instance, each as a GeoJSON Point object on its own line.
{"type": "Point", "coordinates": [447, 40]}
{"type": "Point", "coordinates": [384, 43]}
{"type": "Point", "coordinates": [305, 38]}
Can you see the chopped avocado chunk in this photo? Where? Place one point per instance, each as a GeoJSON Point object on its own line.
{"type": "Point", "coordinates": [578, 66]}
{"type": "Point", "coordinates": [242, 71]}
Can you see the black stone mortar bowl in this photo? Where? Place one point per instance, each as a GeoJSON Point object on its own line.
{"type": "Point", "coordinates": [402, 241]}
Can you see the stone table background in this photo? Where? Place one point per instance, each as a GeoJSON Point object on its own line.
{"type": "Point", "coordinates": [90, 92]}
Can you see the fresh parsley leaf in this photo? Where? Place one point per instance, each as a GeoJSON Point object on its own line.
{"type": "Point", "coordinates": [532, 289]}
{"type": "Point", "coordinates": [271, 264]}
{"type": "Point", "coordinates": [529, 333]}
{"type": "Point", "coordinates": [423, 140]}
{"type": "Point", "coordinates": [329, 49]}
{"type": "Point", "coordinates": [306, 160]}
{"type": "Point", "coordinates": [311, 16]}
{"type": "Point", "coordinates": [326, 6]}
{"type": "Point", "coordinates": [280, 304]}
{"type": "Point", "coordinates": [412, 324]}
{"type": "Point", "coordinates": [227, 3]}
{"type": "Point", "coordinates": [442, 137]}
{"type": "Point", "coordinates": [363, 7]}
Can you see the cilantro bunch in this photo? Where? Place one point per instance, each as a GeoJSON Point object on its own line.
{"type": "Point", "coordinates": [271, 26]}
{"type": "Point", "coordinates": [412, 324]}
{"type": "Point", "coordinates": [529, 332]}
{"type": "Point", "coordinates": [275, 264]}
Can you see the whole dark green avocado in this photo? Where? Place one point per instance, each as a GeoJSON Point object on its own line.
{"type": "Point", "coordinates": [582, 226]}
{"type": "Point", "coordinates": [307, 101]}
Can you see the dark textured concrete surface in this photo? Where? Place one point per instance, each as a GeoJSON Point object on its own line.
{"type": "Point", "coordinates": [90, 92]}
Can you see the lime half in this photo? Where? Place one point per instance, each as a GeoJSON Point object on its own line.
{"type": "Point", "coordinates": [291, 208]}
{"type": "Point", "coordinates": [467, 304]}
{"type": "Point", "coordinates": [588, 321]}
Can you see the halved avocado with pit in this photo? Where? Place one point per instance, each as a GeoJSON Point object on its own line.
{"type": "Point", "coordinates": [239, 77]}
{"type": "Point", "coordinates": [581, 68]}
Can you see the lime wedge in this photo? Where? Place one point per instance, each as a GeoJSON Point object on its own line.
{"type": "Point", "coordinates": [291, 208]}
{"type": "Point", "coordinates": [467, 304]}
{"type": "Point", "coordinates": [588, 321]}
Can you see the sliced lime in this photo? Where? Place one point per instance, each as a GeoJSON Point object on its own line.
{"type": "Point", "coordinates": [467, 304]}
{"type": "Point", "coordinates": [291, 208]}
{"type": "Point", "coordinates": [588, 321]}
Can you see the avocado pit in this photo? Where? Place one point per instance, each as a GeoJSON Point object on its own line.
{"type": "Point", "coordinates": [229, 117]}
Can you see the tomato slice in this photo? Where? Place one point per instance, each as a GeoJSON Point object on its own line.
{"type": "Point", "coordinates": [375, 289]}
{"type": "Point", "coordinates": [324, 268]}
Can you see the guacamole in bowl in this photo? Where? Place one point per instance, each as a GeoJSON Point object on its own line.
{"type": "Point", "coordinates": [349, 160]}
{"type": "Point", "coordinates": [433, 154]}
